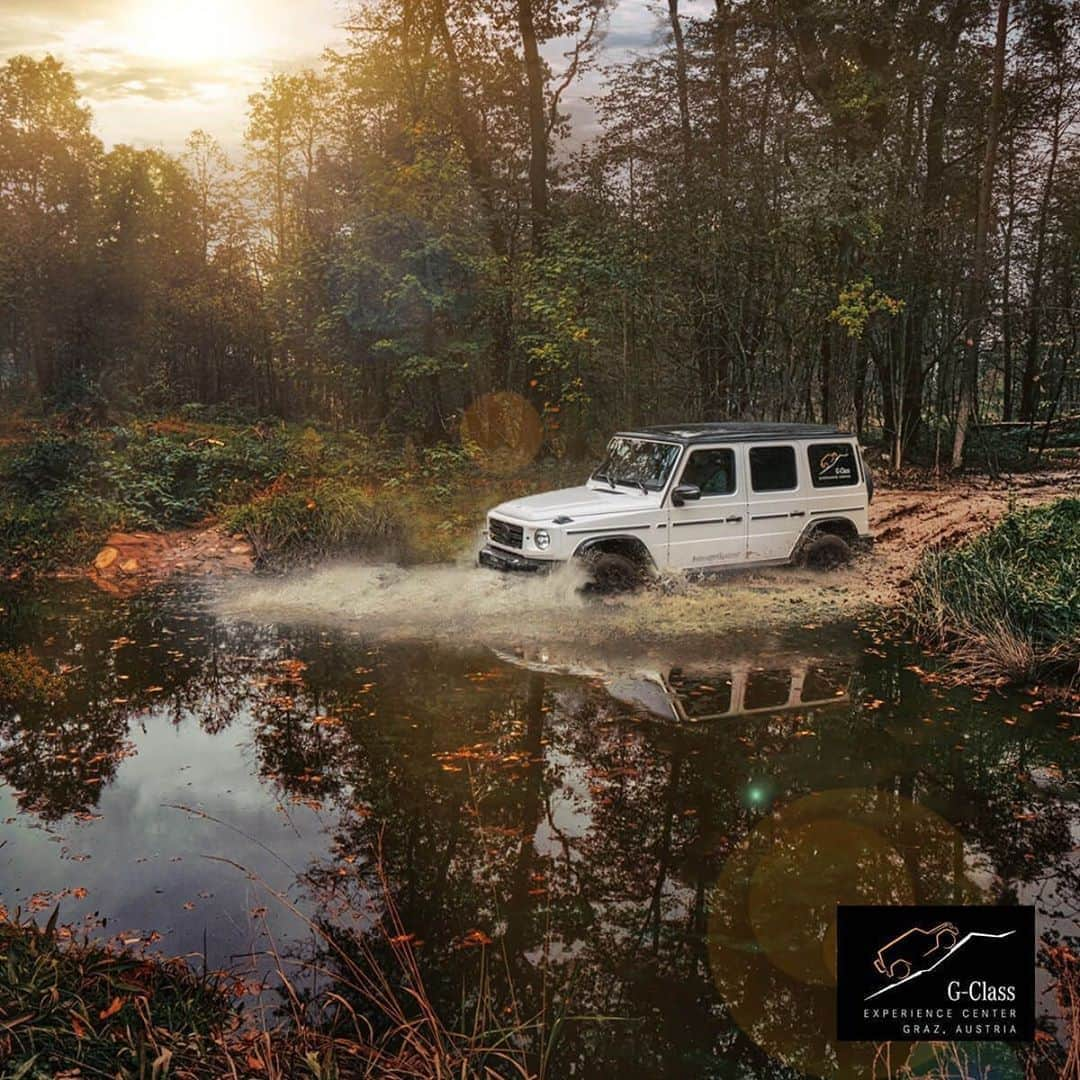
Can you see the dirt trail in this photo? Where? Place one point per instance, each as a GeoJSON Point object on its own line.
{"type": "Point", "coordinates": [460, 602]}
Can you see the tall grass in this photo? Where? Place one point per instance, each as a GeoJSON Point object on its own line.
{"type": "Point", "coordinates": [74, 1009]}
{"type": "Point", "coordinates": [1006, 605]}
{"type": "Point", "coordinates": [317, 521]}
{"type": "Point", "coordinates": [69, 1007]}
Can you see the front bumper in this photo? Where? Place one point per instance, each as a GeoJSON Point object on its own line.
{"type": "Point", "coordinates": [499, 559]}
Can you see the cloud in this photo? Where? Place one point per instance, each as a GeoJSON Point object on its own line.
{"type": "Point", "coordinates": [140, 79]}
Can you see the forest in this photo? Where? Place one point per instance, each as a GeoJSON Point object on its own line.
{"type": "Point", "coordinates": [866, 214]}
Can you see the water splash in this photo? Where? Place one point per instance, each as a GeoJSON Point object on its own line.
{"type": "Point", "coordinates": [448, 601]}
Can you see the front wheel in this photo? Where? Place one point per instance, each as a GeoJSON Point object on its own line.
{"type": "Point", "coordinates": [610, 572]}
{"type": "Point", "coordinates": [827, 553]}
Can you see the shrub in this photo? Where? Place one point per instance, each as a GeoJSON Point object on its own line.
{"type": "Point", "coordinates": [49, 463]}
{"type": "Point", "coordinates": [163, 482]}
{"type": "Point", "coordinates": [1007, 603]}
{"type": "Point", "coordinates": [325, 519]}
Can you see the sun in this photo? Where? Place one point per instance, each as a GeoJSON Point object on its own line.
{"type": "Point", "coordinates": [193, 31]}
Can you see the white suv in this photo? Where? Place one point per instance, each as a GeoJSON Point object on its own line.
{"type": "Point", "coordinates": [695, 497]}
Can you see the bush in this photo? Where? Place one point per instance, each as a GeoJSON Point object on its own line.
{"type": "Point", "coordinates": [325, 519]}
{"type": "Point", "coordinates": [1007, 603]}
{"type": "Point", "coordinates": [164, 482]}
{"type": "Point", "coordinates": [48, 464]}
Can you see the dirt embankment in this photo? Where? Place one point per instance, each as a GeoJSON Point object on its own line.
{"type": "Point", "coordinates": [131, 561]}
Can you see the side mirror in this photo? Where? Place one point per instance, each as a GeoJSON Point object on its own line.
{"type": "Point", "coordinates": [685, 493]}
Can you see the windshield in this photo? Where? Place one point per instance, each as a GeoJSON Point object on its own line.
{"type": "Point", "coordinates": [637, 463]}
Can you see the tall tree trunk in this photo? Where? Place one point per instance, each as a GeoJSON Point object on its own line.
{"type": "Point", "coordinates": [1006, 291]}
{"type": "Point", "coordinates": [682, 88]}
{"type": "Point", "coordinates": [975, 293]}
{"type": "Point", "coordinates": [1029, 389]}
{"type": "Point", "coordinates": [538, 131]}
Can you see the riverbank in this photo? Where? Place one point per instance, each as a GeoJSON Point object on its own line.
{"type": "Point", "coordinates": [1005, 606]}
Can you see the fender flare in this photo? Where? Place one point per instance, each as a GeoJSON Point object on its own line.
{"type": "Point", "coordinates": [623, 543]}
{"type": "Point", "coordinates": [813, 528]}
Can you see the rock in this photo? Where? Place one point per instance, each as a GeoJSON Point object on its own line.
{"type": "Point", "coordinates": [105, 558]}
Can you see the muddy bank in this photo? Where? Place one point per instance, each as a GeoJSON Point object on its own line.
{"type": "Point", "coordinates": [131, 561]}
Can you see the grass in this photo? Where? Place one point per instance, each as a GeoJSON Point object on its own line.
{"type": "Point", "coordinates": [1006, 605]}
{"type": "Point", "coordinates": [317, 521]}
{"type": "Point", "coordinates": [71, 1008]}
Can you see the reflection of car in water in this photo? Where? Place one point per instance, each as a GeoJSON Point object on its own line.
{"type": "Point", "coordinates": [906, 953]}
{"type": "Point", "coordinates": [703, 690]}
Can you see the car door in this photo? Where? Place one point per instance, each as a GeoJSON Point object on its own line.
{"type": "Point", "coordinates": [710, 531]}
{"type": "Point", "coordinates": [776, 501]}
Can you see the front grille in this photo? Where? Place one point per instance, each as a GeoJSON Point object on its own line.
{"type": "Point", "coordinates": [502, 532]}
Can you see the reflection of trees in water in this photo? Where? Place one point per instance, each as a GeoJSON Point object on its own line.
{"type": "Point", "coordinates": [119, 660]}
{"type": "Point", "coordinates": [593, 865]}
{"type": "Point", "coordinates": [586, 841]}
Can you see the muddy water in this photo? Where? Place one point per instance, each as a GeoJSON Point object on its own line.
{"type": "Point", "coordinates": [595, 806]}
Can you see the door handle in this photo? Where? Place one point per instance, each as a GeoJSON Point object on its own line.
{"type": "Point", "coordinates": [731, 519]}
{"type": "Point", "coordinates": [797, 513]}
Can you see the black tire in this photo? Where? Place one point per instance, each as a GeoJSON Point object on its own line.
{"type": "Point", "coordinates": [611, 573]}
{"type": "Point", "coordinates": [826, 552]}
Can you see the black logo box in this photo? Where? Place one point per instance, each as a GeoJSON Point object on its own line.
{"type": "Point", "coordinates": [964, 974]}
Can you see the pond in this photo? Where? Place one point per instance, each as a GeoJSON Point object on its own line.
{"type": "Point", "coordinates": [614, 834]}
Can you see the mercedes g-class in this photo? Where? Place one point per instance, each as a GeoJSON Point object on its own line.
{"type": "Point", "coordinates": [694, 497]}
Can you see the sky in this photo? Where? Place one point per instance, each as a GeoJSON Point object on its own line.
{"type": "Point", "coordinates": [154, 70]}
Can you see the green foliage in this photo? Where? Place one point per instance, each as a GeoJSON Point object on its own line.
{"type": "Point", "coordinates": [49, 463]}
{"type": "Point", "coordinates": [164, 482]}
{"type": "Point", "coordinates": [859, 303]}
{"type": "Point", "coordinates": [1007, 603]}
{"type": "Point", "coordinates": [63, 493]}
{"type": "Point", "coordinates": [317, 521]}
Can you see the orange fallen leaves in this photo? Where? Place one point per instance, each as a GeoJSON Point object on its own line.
{"type": "Point", "coordinates": [114, 1007]}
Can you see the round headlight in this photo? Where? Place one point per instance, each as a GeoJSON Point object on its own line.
{"type": "Point", "coordinates": [541, 539]}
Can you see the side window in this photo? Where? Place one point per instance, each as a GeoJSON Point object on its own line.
{"type": "Point", "coordinates": [833, 464]}
{"type": "Point", "coordinates": [772, 468]}
{"type": "Point", "coordinates": [712, 470]}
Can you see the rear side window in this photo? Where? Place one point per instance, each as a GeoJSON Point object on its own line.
{"type": "Point", "coordinates": [833, 464]}
{"type": "Point", "coordinates": [711, 470]}
{"type": "Point", "coordinates": [772, 468]}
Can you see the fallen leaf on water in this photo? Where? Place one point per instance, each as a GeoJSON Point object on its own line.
{"type": "Point", "coordinates": [475, 937]}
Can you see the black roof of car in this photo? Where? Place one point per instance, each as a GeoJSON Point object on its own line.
{"type": "Point", "coordinates": [735, 431]}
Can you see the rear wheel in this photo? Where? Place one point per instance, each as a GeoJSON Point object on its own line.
{"type": "Point", "coordinates": [610, 572]}
{"type": "Point", "coordinates": [827, 552]}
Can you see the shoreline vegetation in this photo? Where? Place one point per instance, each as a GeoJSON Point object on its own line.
{"type": "Point", "coordinates": [294, 493]}
{"type": "Point", "coordinates": [1004, 607]}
